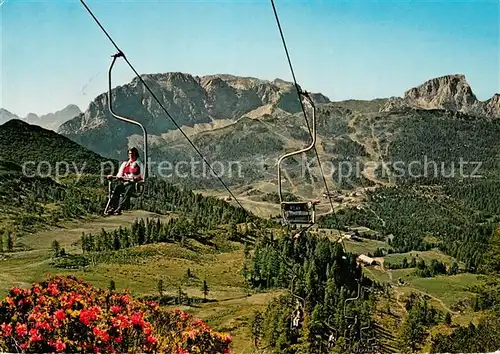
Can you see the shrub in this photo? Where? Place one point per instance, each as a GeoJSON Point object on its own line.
{"type": "Point", "coordinates": [65, 314]}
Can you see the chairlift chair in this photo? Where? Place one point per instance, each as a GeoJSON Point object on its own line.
{"type": "Point", "coordinates": [302, 212]}
{"type": "Point", "coordinates": [352, 299]}
{"type": "Point", "coordinates": [139, 185]}
{"type": "Point", "coordinates": [299, 313]}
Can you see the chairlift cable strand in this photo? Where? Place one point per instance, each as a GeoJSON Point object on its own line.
{"type": "Point", "coordinates": [161, 105]}
{"type": "Point", "coordinates": [305, 117]}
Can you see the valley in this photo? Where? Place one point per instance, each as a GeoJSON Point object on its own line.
{"type": "Point", "coordinates": [231, 304]}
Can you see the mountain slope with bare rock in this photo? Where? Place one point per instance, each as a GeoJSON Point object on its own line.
{"type": "Point", "coordinates": [450, 92]}
{"type": "Point", "coordinates": [189, 99]}
{"type": "Point", "coordinates": [252, 122]}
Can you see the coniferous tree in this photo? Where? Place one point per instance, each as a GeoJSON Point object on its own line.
{"type": "Point", "coordinates": [232, 230]}
{"type": "Point", "coordinates": [10, 242]}
{"type": "Point", "coordinates": [447, 319]}
{"type": "Point", "coordinates": [141, 233]}
{"type": "Point", "coordinates": [205, 289]}
{"type": "Point", "coordinates": [246, 250]}
{"type": "Point", "coordinates": [244, 272]}
{"type": "Point", "coordinates": [411, 332]}
{"type": "Point", "coordinates": [179, 295]}
{"type": "Point", "coordinates": [160, 287]}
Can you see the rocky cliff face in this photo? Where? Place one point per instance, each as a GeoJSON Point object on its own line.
{"type": "Point", "coordinates": [189, 100]}
{"type": "Point", "coordinates": [492, 106]}
{"type": "Point", "coordinates": [450, 92]}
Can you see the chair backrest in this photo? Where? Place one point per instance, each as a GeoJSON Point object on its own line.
{"type": "Point", "coordinates": [297, 212]}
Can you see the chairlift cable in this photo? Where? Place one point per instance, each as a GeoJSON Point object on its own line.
{"type": "Point", "coordinates": [305, 117]}
{"type": "Point", "coordinates": [161, 105]}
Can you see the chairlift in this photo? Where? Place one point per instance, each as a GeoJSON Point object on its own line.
{"type": "Point", "coordinates": [352, 299]}
{"type": "Point", "coordinates": [349, 318]}
{"type": "Point", "coordinates": [332, 338]}
{"type": "Point", "coordinates": [302, 212]}
{"type": "Point", "coordinates": [139, 186]}
{"type": "Point", "coordinates": [298, 314]}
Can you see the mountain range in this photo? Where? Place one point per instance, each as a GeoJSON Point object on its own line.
{"type": "Point", "coordinates": [50, 121]}
{"type": "Point", "coordinates": [247, 123]}
{"type": "Point", "coordinates": [254, 121]}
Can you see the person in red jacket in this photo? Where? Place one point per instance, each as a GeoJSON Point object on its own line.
{"type": "Point", "coordinates": [129, 173]}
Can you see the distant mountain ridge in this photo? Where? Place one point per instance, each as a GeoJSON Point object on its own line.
{"type": "Point", "coordinates": [50, 121]}
{"type": "Point", "coordinates": [245, 124]}
{"type": "Point", "coordinates": [189, 99]}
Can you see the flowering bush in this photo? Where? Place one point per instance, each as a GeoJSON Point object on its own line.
{"type": "Point", "coordinates": [65, 314]}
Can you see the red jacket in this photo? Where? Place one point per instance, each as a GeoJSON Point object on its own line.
{"type": "Point", "coordinates": [129, 169]}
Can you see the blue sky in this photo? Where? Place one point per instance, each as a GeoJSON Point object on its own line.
{"type": "Point", "coordinates": [53, 53]}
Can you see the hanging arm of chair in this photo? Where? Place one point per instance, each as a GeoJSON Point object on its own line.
{"type": "Point", "coordinates": [309, 99]}
{"type": "Point", "coordinates": [128, 120]}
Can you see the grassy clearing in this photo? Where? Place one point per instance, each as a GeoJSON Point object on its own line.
{"type": "Point", "coordinates": [70, 232]}
{"type": "Point", "coordinates": [364, 245]}
{"type": "Point", "coordinates": [450, 289]}
{"type": "Point", "coordinates": [377, 274]}
{"type": "Point", "coordinates": [427, 256]}
{"type": "Point", "coordinates": [443, 292]}
{"type": "Point", "coordinates": [233, 315]}
{"type": "Point", "coordinates": [404, 274]}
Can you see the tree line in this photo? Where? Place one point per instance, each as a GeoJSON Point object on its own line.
{"type": "Point", "coordinates": [320, 277]}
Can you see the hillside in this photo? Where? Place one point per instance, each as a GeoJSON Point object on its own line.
{"type": "Point", "coordinates": [44, 152]}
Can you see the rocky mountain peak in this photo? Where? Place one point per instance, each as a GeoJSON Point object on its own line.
{"type": "Point", "coordinates": [70, 109]}
{"type": "Point", "coordinates": [492, 106]}
{"type": "Point", "coordinates": [32, 117]}
{"type": "Point", "coordinates": [449, 92]}
{"type": "Point", "coordinates": [165, 79]}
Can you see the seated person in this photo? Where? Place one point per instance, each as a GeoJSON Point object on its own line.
{"type": "Point", "coordinates": [129, 173]}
